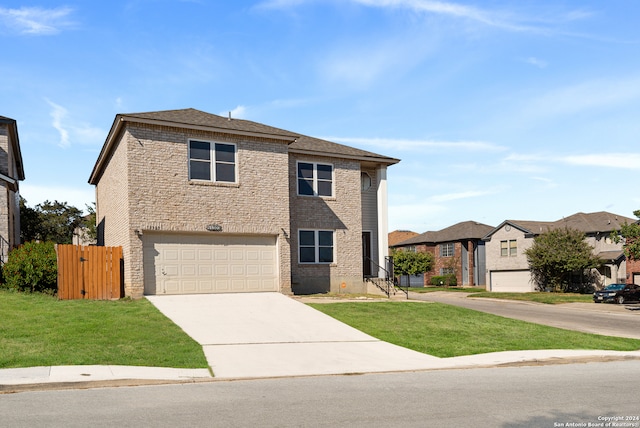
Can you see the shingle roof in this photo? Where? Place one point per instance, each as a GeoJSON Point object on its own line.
{"type": "Point", "coordinates": [400, 235]}
{"type": "Point", "coordinates": [195, 118]}
{"type": "Point", "coordinates": [457, 232]}
{"type": "Point", "coordinates": [610, 255]}
{"type": "Point", "coordinates": [602, 221]}
{"type": "Point", "coordinates": [191, 116]}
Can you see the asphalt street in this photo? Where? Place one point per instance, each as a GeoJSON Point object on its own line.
{"type": "Point", "coordinates": [589, 394]}
{"type": "Point", "coordinates": [598, 318]}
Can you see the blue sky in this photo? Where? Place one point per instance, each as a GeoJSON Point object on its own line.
{"type": "Point", "coordinates": [501, 109]}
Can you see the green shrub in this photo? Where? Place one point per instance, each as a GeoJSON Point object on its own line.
{"type": "Point", "coordinates": [32, 267]}
{"type": "Point", "coordinates": [449, 279]}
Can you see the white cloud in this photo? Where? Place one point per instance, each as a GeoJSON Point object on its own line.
{"type": "Point", "coordinates": [506, 20]}
{"type": "Point", "coordinates": [585, 96]}
{"type": "Point", "coordinates": [36, 20]}
{"type": "Point", "coordinates": [77, 197]}
{"type": "Point", "coordinates": [417, 216]}
{"type": "Point", "coordinates": [550, 184]}
{"type": "Point", "coordinates": [611, 160]}
{"type": "Point", "coordinates": [537, 62]}
{"type": "Point", "coordinates": [404, 144]}
{"type": "Point", "coordinates": [80, 133]}
{"type": "Point", "coordinates": [239, 112]}
{"type": "Point", "coordinates": [460, 195]}
{"type": "Point", "coordinates": [58, 113]}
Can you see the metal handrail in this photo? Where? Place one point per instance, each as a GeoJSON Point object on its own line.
{"type": "Point", "coordinates": [389, 279]}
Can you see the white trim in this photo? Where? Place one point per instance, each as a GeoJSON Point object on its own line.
{"type": "Point", "coordinates": [316, 246]}
{"type": "Point", "coordinates": [315, 179]}
{"type": "Point", "coordinates": [383, 218]}
{"type": "Point", "coordinates": [213, 161]}
{"type": "Point", "coordinates": [8, 179]}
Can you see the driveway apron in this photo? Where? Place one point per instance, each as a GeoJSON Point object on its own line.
{"type": "Point", "coordinates": [252, 335]}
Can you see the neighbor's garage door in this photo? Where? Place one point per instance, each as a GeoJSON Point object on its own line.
{"type": "Point", "coordinates": [191, 264]}
{"type": "Point", "coordinates": [511, 281]}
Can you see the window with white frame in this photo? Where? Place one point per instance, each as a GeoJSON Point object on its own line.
{"type": "Point", "coordinates": [211, 161]}
{"type": "Point", "coordinates": [446, 271]}
{"type": "Point", "coordinates": [509, 248]}
{"type": "Point", "coordinates": [446, 250]}
{"type": "Point", "coordinates": [315, 246]}
{"type": "Point", "coordinates": [315, 179]}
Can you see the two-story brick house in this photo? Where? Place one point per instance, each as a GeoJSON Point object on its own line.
{"type": "Point", "coordinates": [11, 172]}
{"type": "Point", "coordinates": [206, 204]}
{"type": "Point", "coordinates": [457, 250]}
{"type": "Point", "coordinates": [507, 265]}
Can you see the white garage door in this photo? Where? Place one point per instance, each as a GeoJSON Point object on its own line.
{"type": "Point", "coordinates": [194, 264]}
{"type": "Point", "coordinates": [517, 281]}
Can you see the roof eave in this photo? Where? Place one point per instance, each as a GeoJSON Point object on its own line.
{"type": "Point", "coordinates": [382, 159]}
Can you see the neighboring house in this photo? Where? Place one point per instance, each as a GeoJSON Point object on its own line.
{"type": "Point", "coordinates": [507, 265]}
{"type": "Point", "coordinates": [633, 272]}
{"type": "Point", "coordinates": [206, 204]}
{"type": "Point", "coordinates": [11, 172]}
{"type": "Point", "coordinates": [398, 236]}
{"type": "Point", "coordinates": [81, 234]}
{"type": "Point", "coordinates": [457, 249]}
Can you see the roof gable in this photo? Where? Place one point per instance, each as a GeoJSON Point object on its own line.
{"type": "Point", "coordinates": [196, 119]}
{"type": "Point", "coordinates": [588, 223]}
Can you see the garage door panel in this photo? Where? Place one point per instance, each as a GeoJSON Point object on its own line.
{"type": "Point", "coordinates": [516, 281]}
{"type": "Point", "coordinates": [177, 264]}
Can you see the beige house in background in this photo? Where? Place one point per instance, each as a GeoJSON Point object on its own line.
{"type": "Point", "coordinates": [507, 267]}
{"type": "Point", "coordinates": [11, 172]}
{"type": "Point", "coordinates": [206, 204]}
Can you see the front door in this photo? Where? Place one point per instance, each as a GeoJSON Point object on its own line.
{"type": "Point", "coordinates": [366, 254]}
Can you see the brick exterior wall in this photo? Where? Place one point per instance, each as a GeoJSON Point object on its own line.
{"type": "Point", "coordinates": [341, 213]}
{"type": "Point", "coordinates": [633, 271]}
{"type": "Point", "coordinates": [145, 186]}
{"type": "Point", "coordinates": [446, 262]}
{"type": "Point", "coordinates": [9, 205]}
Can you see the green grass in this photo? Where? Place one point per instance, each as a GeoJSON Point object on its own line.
{"type": "Point", "coordinates": [550, 298]}
{"type": "Point", "coordinates": [449, 331]}
{"type": "Point", "coordinates": [39, 330]}
{"type": "Point", "coordinates": [452, 289]}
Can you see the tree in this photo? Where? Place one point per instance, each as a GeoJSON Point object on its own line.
{"type": "Point", "coordinates": [558, 256]}
{"type": "Point", "coordinates": [49, 221]}
{"type": "Point", "coordinates": [411, 262]}
{"type": "Point", "coordinates": [89, 222]}
{"type": "Point", "coordinates": [630, 234]}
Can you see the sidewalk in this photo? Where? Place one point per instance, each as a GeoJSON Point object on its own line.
{"type": "Point", "coordinates": [62, 377]}
{"type": "Point", "coordinates": [267, 335]}
{"type": "Point", "coordinates": [75, 374]}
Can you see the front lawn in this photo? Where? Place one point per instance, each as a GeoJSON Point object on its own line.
{"type": "Point", "coordinates": [452, 289]}
{"type": "Point", "coordinates": [39, 330]}
{"type": "Point", "coordinates": [449, 331]}
{"type": "Point", "coordinates": [540, 297]}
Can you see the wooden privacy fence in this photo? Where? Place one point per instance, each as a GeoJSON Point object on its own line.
{"type": "Point", "coordinates": [89, 272]}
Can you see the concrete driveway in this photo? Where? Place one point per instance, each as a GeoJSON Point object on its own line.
{"type": "Point", "coordinates": [258, 335]}
{"type": "Point", "coordinates": [269, 334]}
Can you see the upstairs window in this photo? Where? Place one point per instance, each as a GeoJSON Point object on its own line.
{"type": "Point", "coordinates": [212, 161]}
{"type": "Point", "coordinates": [509, 248]}
{"type": "Point", "coordinates": [315, 179]}
{"type": "Point", "coordinates": [446, 250]}
{"type": "Point", "coordinates": [315, 246]}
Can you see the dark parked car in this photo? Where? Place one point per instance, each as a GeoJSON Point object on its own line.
{"type": "Point", "coordinates": [618, 293]}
